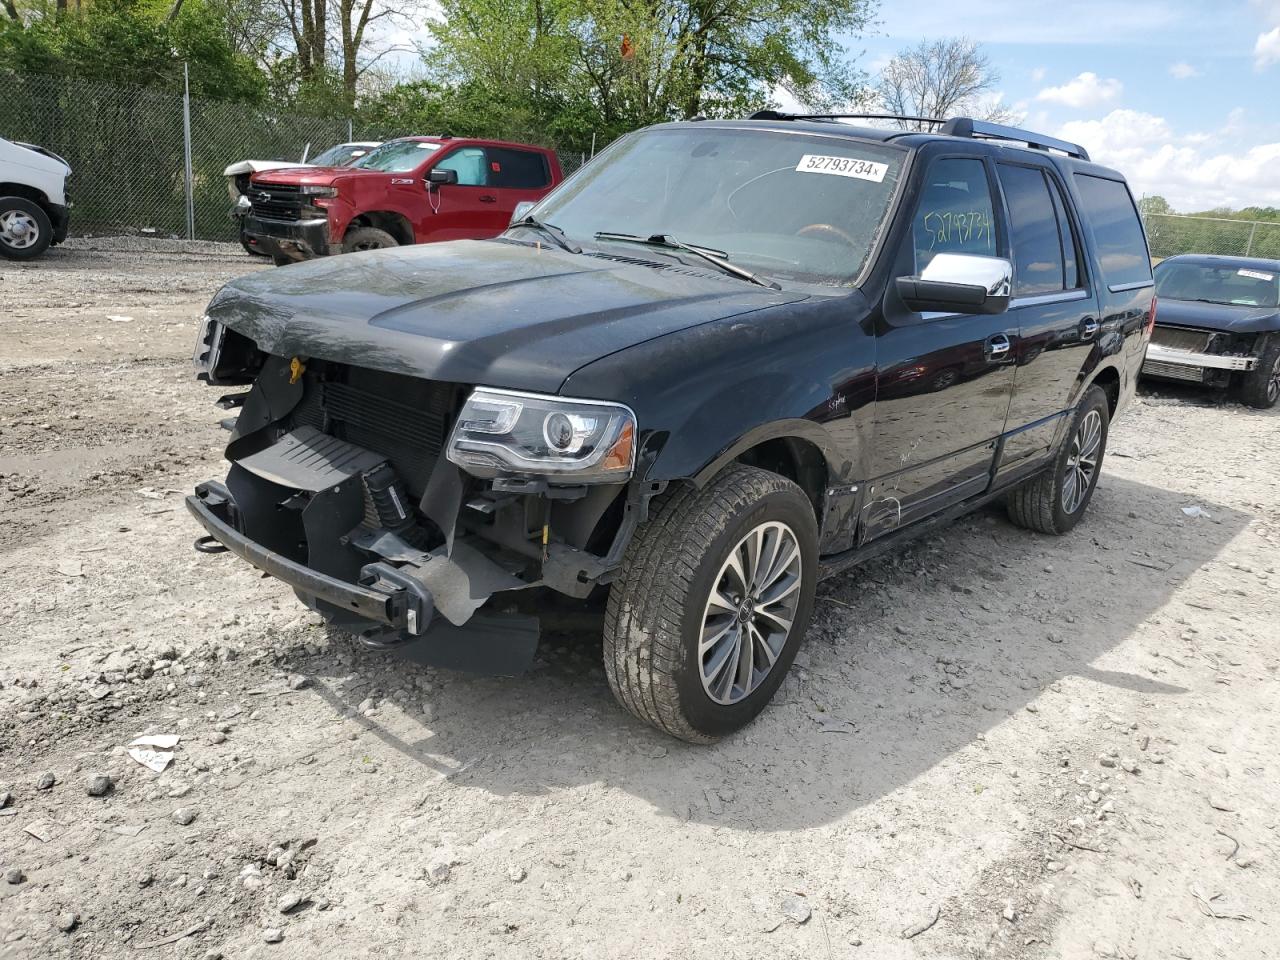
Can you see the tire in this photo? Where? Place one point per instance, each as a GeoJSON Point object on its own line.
{"type": "Point", "coordinates": [1045, 503]}
{"type": "Point", "coordinates": [367, 238]}
{"type": "Point", "coordinates": [280, 260]}
{"type": "Point", "coordinates": [25, 229]}
{"type": "Point", "coordinates": [659, 604]}
{"type": "Point", "coordinates": [1261, 386]}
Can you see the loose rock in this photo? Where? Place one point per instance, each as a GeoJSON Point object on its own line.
{"type": "Point", "coordinates": [516, 873]}
{"type": "Point", "coordinates": [272, 935]}
{"type": "Point", "coordinates": [796, 909]}
{"type": "Point", "coordinates": [46, 781]}
{"type": "Point", "coordinates": [67, 922]}
{"type": "Point", "coordinates": [184, 816]}
{"type": "Point", "coordinates": [14, 875]}
{"type": "Point", "coordinates": [99, 785]}
{"type": "Point", "coordinates": [289, 902]}
{"type": "Point", "coordinates": [297, 681]}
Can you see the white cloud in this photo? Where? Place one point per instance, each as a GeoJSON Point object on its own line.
{"type": "Point", "coordinates": [1038, 74]}
{"type": "Point", "coordinates": [1182, 169]}
{"type": "Point", "coordinates": [1183, 70]}
{"type": "Point", "coordinates": [1086, 90]}
{"type": "Point", "coordinates": [1267, 50]}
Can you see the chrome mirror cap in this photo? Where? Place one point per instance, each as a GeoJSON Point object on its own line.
{"type": "Point", "coordinates": [993, 274]}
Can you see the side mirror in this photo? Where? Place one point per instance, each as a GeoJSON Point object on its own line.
{"type": "Point", "coordinates": [437, 177]}
{"type": "Point", "coordinates": [959, 283]}
{"type": "Point", "coordinates": [521, 211]}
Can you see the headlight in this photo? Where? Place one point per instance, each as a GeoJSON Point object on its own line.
{"type": "Point", "coordinates": [581, 441]}
{"type": "Point", "coordinates": [308, 191]}
{"type": "Point", "coordinates": [208, 345]}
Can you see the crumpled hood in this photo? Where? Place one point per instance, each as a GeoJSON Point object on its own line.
{"type": "Point", "coordinates": [257, 166]}
{"type": "Point", "coordinates": [1216, 316]}
{"type": "Point", "coordinates": [487, 312]}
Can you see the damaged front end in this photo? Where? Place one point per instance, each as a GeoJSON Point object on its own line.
{"type": "Point", "coordinates": [396, 506]}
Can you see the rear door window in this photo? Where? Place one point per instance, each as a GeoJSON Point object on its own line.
{"type": "Point", "coordinates": [1113, 220]}
{"type": "Point", "coordinates": [955, 213]}
{"type": "Point", "coordinates": [518, 169]}
{"type": "Point", "coordinates": [1039, 262]}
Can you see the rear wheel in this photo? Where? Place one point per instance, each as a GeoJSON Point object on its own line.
{"type": "Point", "coordinates": [25, 229]}
{"type": "Point", "coordinates": [1261, 387]}
{"type": "Point", "coordinates": [367, 238]}
{"type": "Point", "coordinates": [1054, 501]}
{"type": "Point", "coordinates": [714, 595]}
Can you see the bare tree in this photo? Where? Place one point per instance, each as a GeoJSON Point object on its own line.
{"type": "Point", "coordinates": [941, 79]}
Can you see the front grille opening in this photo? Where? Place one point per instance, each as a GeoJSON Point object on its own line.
{"type": "Point", "coordinates": [405, 419]}
{"type": "Point", "coordinates": [273, 201]}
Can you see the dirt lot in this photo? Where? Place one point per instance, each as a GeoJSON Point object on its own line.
{"type": "Point", "coordinates": [1057, 748]}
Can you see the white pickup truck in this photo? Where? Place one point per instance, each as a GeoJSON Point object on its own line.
{"type": "Point", "coordinates": [33, 200]}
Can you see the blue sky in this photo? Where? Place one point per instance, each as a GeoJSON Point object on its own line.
{"type": "Point", "coordinates": [1183, 96]}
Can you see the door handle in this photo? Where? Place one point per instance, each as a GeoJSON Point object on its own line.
{"type": "Point", "coordinates": [1088, 327]}
{"type": "Point", "coordinates": [998, 347]}
{"type": "Point", "coordinates": [488, 199]}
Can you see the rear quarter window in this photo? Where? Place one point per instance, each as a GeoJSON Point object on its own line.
{"type": "Point", "coordinates": [1112, 218]}
{"type": "Point", "coordinates": [518, 169]}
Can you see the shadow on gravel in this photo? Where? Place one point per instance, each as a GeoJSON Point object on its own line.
{"type": "Point", "coordinates": [909, 659]}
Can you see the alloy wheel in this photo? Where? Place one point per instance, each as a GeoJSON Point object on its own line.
{"type": "Point", "coordinates": [749, 615]}
{"type": "Point", "coordinates": [1273, 385]}
{"type": "Point", "coordinates": [18, 229]}
{"type": "Point", "coordinates": [1082, 462]}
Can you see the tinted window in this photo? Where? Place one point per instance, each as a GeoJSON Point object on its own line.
{"type": "Point", "coordinates": [518, 169]}
{"type": "Point", "coordinates": [470, 164]}
{"type": "Point", "coordinates": [1111, 216]}
{"type": "Point", "coordinates": [1070, 246]}
{"type": "Point", "coordinates": [955, 214]}
{"type": "Point", "coordinates": [1034, 234]}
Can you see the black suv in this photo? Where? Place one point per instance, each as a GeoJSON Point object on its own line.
{"type": "Point", "coordinates": [722, 361]}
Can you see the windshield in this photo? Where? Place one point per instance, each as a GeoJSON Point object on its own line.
{"type": "Point", "coordinates": [398, 156]}
{"type": "Point", "coordinates": [790, 206]}
{"type": "Point", "coordinates": [1218, 283]}
{"type": "Point", "coordinates": [339, 156]}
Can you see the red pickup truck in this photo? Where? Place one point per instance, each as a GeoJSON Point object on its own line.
{"type": "Point", "coordinates": [412, 190]}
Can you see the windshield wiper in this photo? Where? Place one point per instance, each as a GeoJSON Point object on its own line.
{"type": "Point", "coordinates": [718, 257]}
{"type": "Point", "coordinates": [551, 230]}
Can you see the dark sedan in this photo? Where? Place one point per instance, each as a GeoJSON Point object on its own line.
{"type": "Point", "coordinates": [1219, 325]}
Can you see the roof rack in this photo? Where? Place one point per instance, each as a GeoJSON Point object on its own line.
{"type": "Point", "coordinates": [955, 127]}
{"type": "Point", "coordinates": [779, 115]}
{"type": "Point", "coordinates": [982, 130]}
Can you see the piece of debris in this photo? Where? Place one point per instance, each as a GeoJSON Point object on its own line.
{"type": "Point", "coordinates": [829, 724]}
{"type": "Point", "coordinates": [46, 781]}
{"type": "Point", "coordinates": [40, 830]}
{"type": "Point", "coordinates": [14, 875]}
{"type": "Point", "coordinates": [119, 318]}
{"type": "Point", "coordinates": [297, 681]}
{"type": "Point", "coordinates": [1209, 910]}
{"type": "Point", "coordinates": [1218, 803]}
{"type": "Point", "coordinates": [516, 873]}
{"type": "Point", "coordinates": [154, 751]}
{"type": "Point", "coordinates": [99, 785]}
{"type": "Point", "coordinates": [273, 934]}
{"type": "Point", "coordinates": [796, 909]}
{"type": "Point", "coordinates": [918, 928]}
{"type": "Point", "coordinates": [174, 938]}
{"type": "Point", "coordinates": [1197, 511]}
{"type": "Point", "coordinates": [67, 922]}
{"type": "Point", "coordinates": [184, 816]}
{"type": "Point", "coordinates": [1009, 913]}
{"type": "Point", "coordinates": [438, 871]}
{"type": "Point", "coordinates": [1129, 765]}
{"type": "Point", "coordinates": [289, 901]}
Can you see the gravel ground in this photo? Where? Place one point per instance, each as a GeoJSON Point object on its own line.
{"type": "Point", "coordinates": [993, 744]}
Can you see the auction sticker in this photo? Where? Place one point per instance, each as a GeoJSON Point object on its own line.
{"type": "Point", "coordinates": [843, 167]}
{"type": "Point", "coordinates": [1256, 275]}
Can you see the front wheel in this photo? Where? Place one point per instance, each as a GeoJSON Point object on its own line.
{"type": "Point", "coordinates": [714, 595]}
{"type": "Point", "coordinates": [367, 238]}
{"type": "Point", "coordinates": [25, 229]}
{"type": "Point", "coordinates": [1262, 383]}
{"type": "Point", "coordinates": [1054, 500]}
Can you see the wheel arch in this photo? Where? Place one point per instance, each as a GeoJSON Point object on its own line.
{"type": "Point", "coordinates": [1108, 379]}
{"type": "Point", "coordinates": [395, 223]}
{"type": "Point", "coordinates": [26, 191]}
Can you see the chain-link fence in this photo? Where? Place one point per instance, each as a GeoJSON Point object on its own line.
{"type": "Point", "coordinates": [128, 148]}
{"type": "Point", "coordinates": [1171, 234]}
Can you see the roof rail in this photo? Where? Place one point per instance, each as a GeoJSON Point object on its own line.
{"type": "Point", "coordinates": [779, 115]}
{"type": "Point", "coordinates": [982, 130]}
